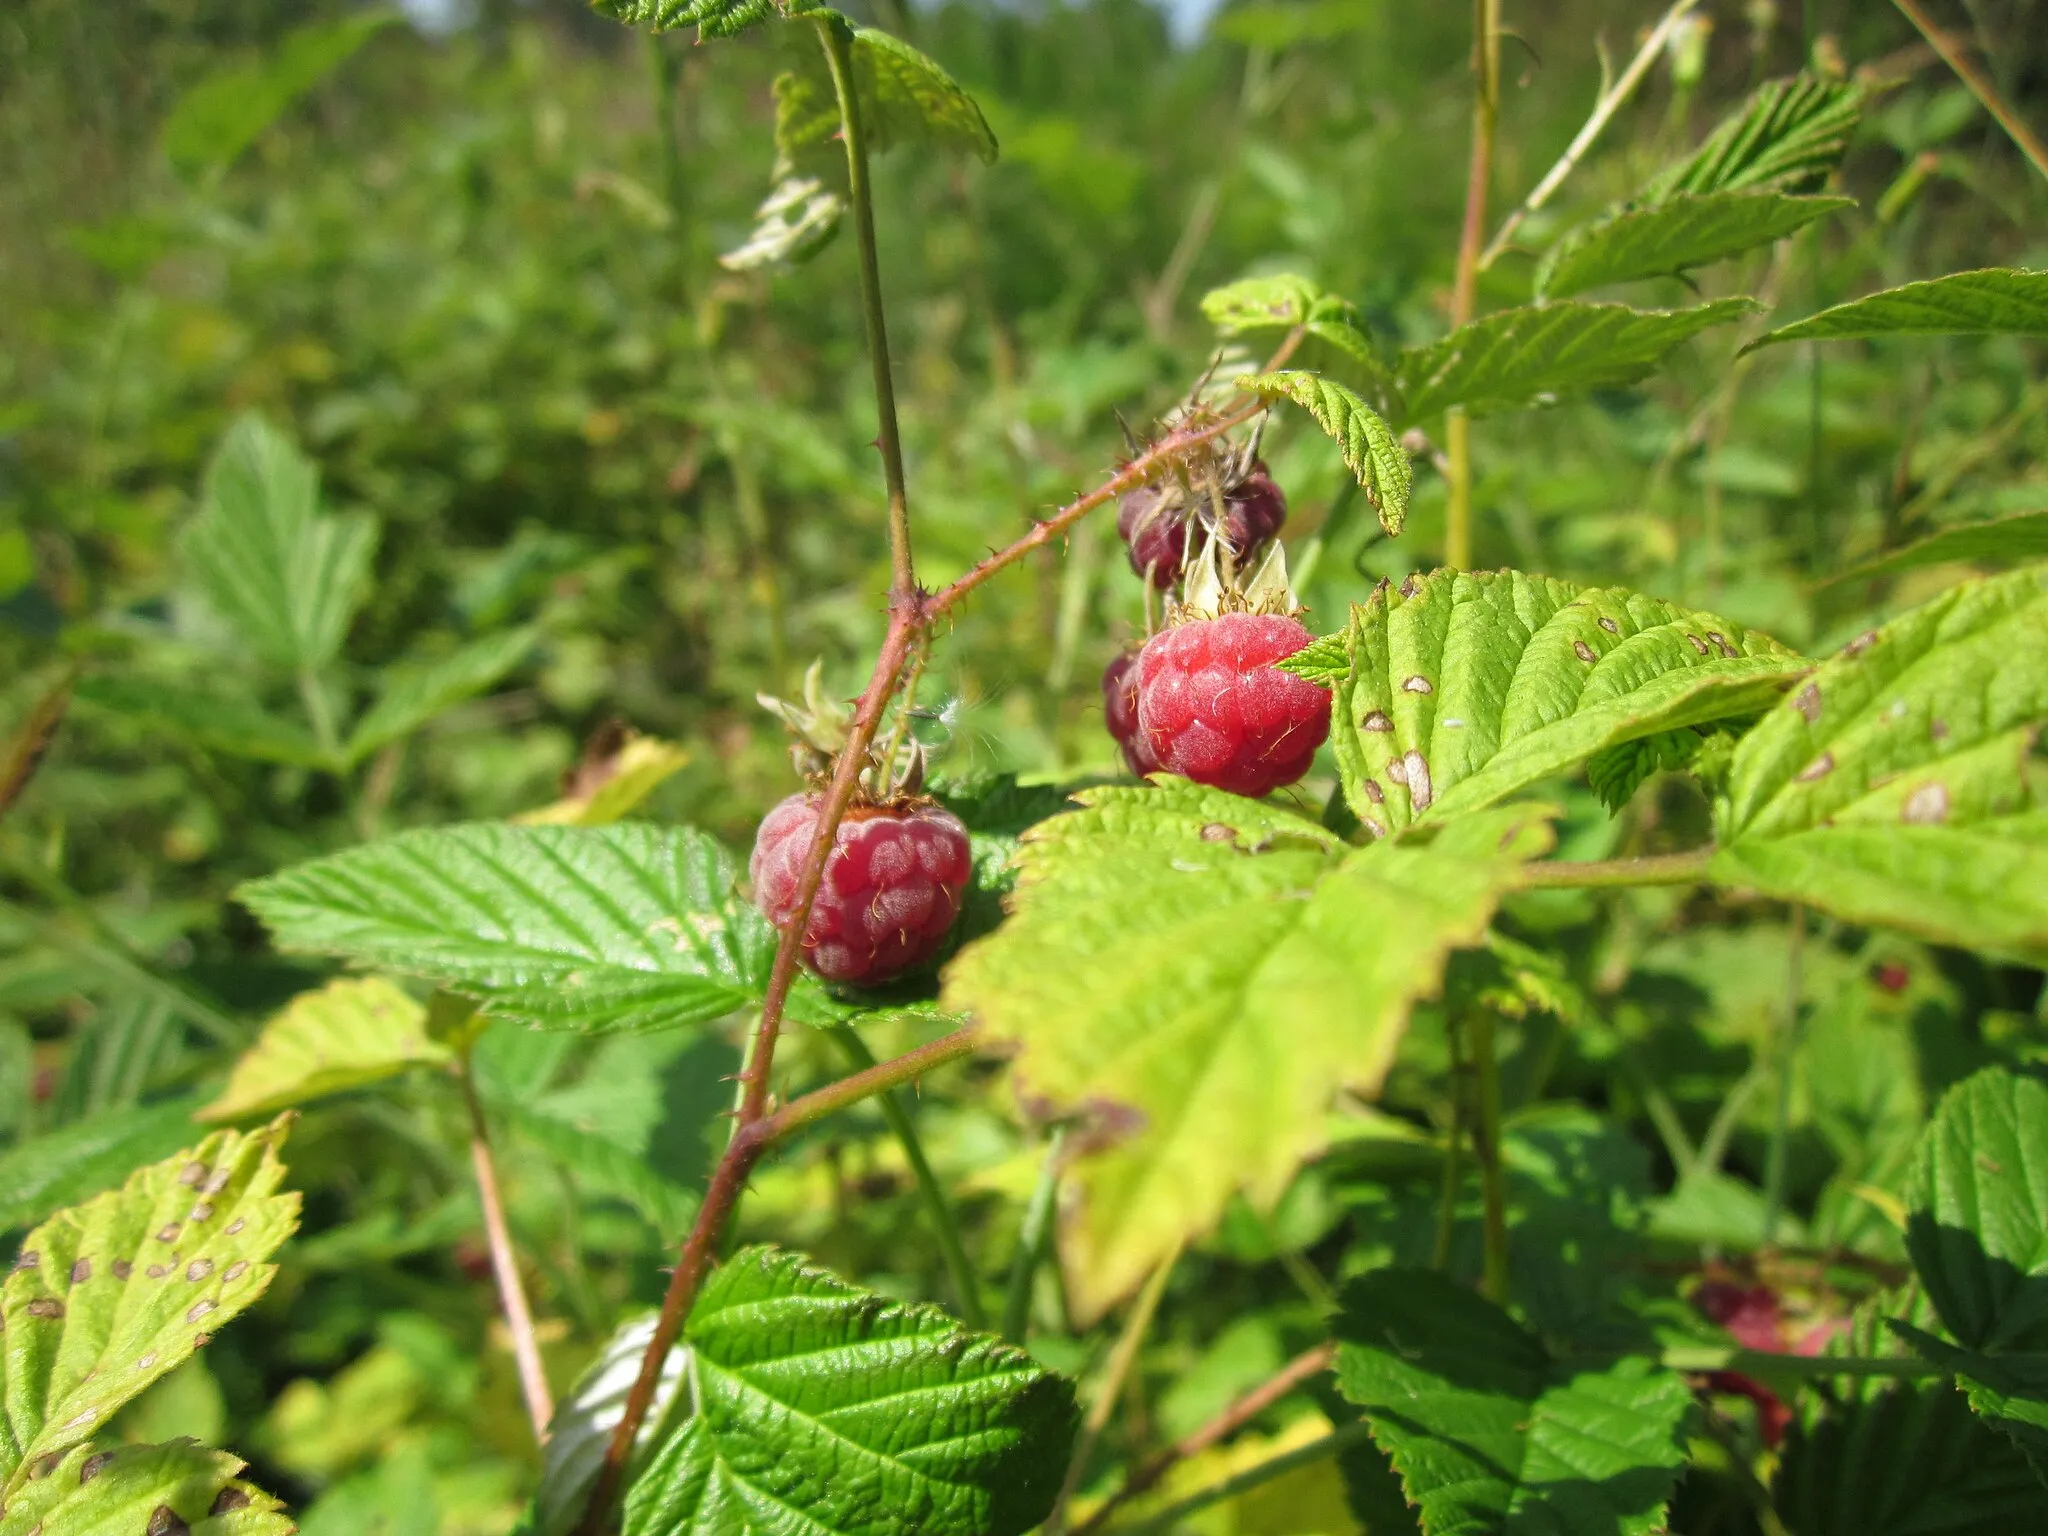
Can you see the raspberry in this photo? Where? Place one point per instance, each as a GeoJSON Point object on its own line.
{"type": "Point", "coordinates": [1120, 711]}
{"type": "Point", "coordinates": [1215, 710]}
{"type": "Point", "coordinates": [891, 890]}
{"type": "Point", "coordinates": [1155, 521]}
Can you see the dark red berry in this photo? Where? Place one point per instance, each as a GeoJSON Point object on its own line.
{"type": "Point", "coordinates": [1120, 711]}
{"type": "Point", "coordinates": [1164, 524]}
{"type": "Point", "coordinates": [1215, 709]}
{"type": "Point", "coordinates": [1891, 976]}
{"type": "Point", "coordinates": [891, 889]}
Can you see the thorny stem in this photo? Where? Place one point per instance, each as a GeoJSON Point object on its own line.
{"type": "Point", "coordinates": [1486, 1151]}
{"type": "Point", "coordinates": [1031, 1238]}
{"type": "Point", "coordinates": [839, 55]}
{"type": "Point", "coordinates": [1610, 102]}
{"type": "Point", "coordinates": [1301, 1368]}
{"type": "Point", "coordinates": [533, 1378]}
{"type": "Point", "coordinates": [966, 1284]}
{"type": "Point", "coordinates": [1465, 289]}
{"type": "Point", "coordinates": [1686, 868]}
{"type": "Point", "coordinates": [1980, 86]}
{"type": "Point", "coordinates": [1781, 1113]}
{"type": "Point", "coordinates": [1121, 1359]}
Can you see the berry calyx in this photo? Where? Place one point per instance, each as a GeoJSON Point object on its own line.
{"type": "Point", "coordinates": [891, 889]}
{"type": "Point", "coordinates": [1158, 522]}
{"type": "Point", "coordinates": [1120, 713]}
{"type": "Point", "coordinates": [1215, 709]}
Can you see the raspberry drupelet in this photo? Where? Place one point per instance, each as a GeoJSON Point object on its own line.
{"type": "Point", "coordinates": [1214, 709]}
{"type": "Point", "coordinates": [1120, 713]}
{"type": "Point", "coordinates": [891, 890]}
{"type": "Point", "coordinates": [1159, 522]}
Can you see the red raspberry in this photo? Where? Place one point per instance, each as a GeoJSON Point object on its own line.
{"type": "Point", "coordinates": [1120, 711]}
{"type": "Point", "coordinates": [891, 889]}
{"type": "Point", "coordinates": [1215, 709]}
{"type": "Point", "coordinates": [1155, 521]}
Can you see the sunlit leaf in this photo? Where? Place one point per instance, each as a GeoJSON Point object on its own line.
{"type": "Point", "coordinates": [795, 221]}
{"type": "Point", "coordinates": [1668, 237]}
{"type": "Point", "coordinates": [1371, 450]}
{"type": "Point", "coordinates": [177, 1489]}
{"type": "Point", "coordinates": [1998, 301]}
{"type": "Point", "coordinates": [1892, 786]}
{"type": "Point", "coordinates": [348, 1034]}
{"type": "Point", "coordinates": [1787, 136]}
{"type": "Point", "coordinates": [918, 1427]}
{"type": "Point", "coordinates": [583, 1424]}
{"type": "Point", "coordinates": [905, 97]}
{"type": "Point", "coordinates": [2005, 540]}
{"type": "Point", "coordinates": [610, 787]}
{"type": "Point", "coordinates": [1463, 688]}
{"type": "Point", "coordinates": [1196, 974]}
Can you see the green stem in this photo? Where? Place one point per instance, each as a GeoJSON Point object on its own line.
{"type": "Point", "coordinates": [1121, 1358]}
{"type": "Point", "coordinates": [320, 712]}
{"type": "Point", "coordinates": [966, 1285]}
{"type": "Point", "coordinates": [1252, 1477]}
{"type": "Point", "coordinates": [1031, 1238]}
{"type": "Point", "coordinates": [1454, 1136]}
{"type": "Point", "coordinates": [839, 57]}
{"type": "Point", "coordinates": [1688, 868]}
{"type": "Point", "coordinates": [1493, 1184]}
{"type": "Point", "coordinates": [1465, 286]}
{"type": "Point", "coordinates": [1781, 1113]}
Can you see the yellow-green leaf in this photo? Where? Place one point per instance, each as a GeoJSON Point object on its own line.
{"type": "Point", "coordinates": [348, 1034]}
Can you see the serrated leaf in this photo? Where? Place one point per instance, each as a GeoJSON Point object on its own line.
{"type": "Point", "coordinates": [216, 719]}
{"type": "Point", "coordinates": [2006, 539]}
{"type": "Point", "coordinates": [1788, 135]}
{"type": "Point", "coordinates": [1538, 354]}
{"type": "Point", "coordinates": [109, 1296]}
{"type": "Point", "coordinates": [1196, 974]}
{"type": "Point", "coordinates": [1668, 237]}
{"type": "Point", "coordinates": [612, 787]}
{"type": "Point", "coordinates": [1279, 302]}
{"type": "Point", "coordinates": [584, 1420]}
{"type": "Point", "coordinates": [1997, 301]}
{"type": "Point", "coordinates": [712, 18]}
{"type": "Point", "coordinates": [905, 97]}
{"type": "Point", "coordinates": [915, 1427]}
{"type": "Point", "coordinates": [2009, 1393]}
{"type": "Point", "coordinates": [413, 695]}
{"type": "Point", "coordinates": [287, 577]}
{"type": "Point", "coordinates": [589, 928]}
{"type": "Point", "coordinates": [1615, 773]}
{"type": "Point", "coordinates": [75, 1161]}
{"type": "Point", "coordinates": [1977, 1230]}
{"type": "Point", "coordinates": [795, 221]}
{"type": "Point", "coordinates": [227, 111]}
{"type": "Point", "coordinates": [1891, 787]}
{"type": "Point", "coordinates": [604, 1167]}
{"type": "Point", "coordinates": [1467, 687]}
{"type": "Point", "coordinates": [1490, 1434]}
{"type": "Point", "coordinates": [136, 1490]}
{"type": "Point", "coordinates": [348, 1034]}
{"type": "Point", "coordinates": [1371, 450]}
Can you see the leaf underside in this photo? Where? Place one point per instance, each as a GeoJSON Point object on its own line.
{"type": "Point", "coordinates": [2001, 541]}
{"type": "Point", "coordinates": [1371, 451]}
{"type": "Point", "coordinates": [1665, 238]}
{"type": "Point", "coordinates": [1998, 301]}
{"type": "Point", "coordinates": [1195, 974]}
{"type": "Point", "coordinates": [1787, 136]}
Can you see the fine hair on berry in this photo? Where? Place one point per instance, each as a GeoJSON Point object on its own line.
{"type": "Point", "coordinates": [1215, 709]}
{"type": "Point", "coordinates": [1120, 714]}
{"type": "Point", "coordinates": [891, 890]}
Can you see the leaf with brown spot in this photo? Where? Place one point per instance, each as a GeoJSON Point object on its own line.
{"type": "Point", "coordinates": [138, 1490]}
{"type": "Point", "coordinates": [1204, 998]}
{"type": "Point", "coordinates": [77, 1349]}
{"type": "Point", "coordinates": [1896, 787]}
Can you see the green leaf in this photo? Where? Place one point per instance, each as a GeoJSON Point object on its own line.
{"type": "Point", "coordinates": [1537, 355]}
{"type": "Point", "coordinates": [583, 1424]}
{"type": "Point", "coordinates": [1668, 237]}
{"type": "Point", "coordinates": [1978, 1202]}
{"type": "Point", "coordinates": [285, 576]}
{"type": "Point", "coordinates": [1196, 974]}
{"type": "Point", "coordinates": [819, 1407]}
{"type": "Point", "coordinates": [109, 1296]}
{"type": "Point", "coordinates": [601, 1165]}
{"type": "Point", "coordinates": [137, 1490]}
{"type": "Point", "coordinates": [65, 1166]}
{"type": "Point", "coordinates": [1998, 301]}
{"type": "Point", "coordinates": [1279, 302]}
{"type": "Point", "coordinates": [610, 783]}
{"type": "Point", "coordinates": [905, 97]}
{"type": "Point", "coordinates": [2024, 537]}
{"type": "Point", "coordinates": [215, 719]}
{"type": "Point", "coordinates": [2008, 1393]}
{"type": "Point", "coordinates": [1615, 773]}
{"type": "Point", "coordinates": [347, 1035]}
{"type": "Point", "coordinates": [1891, 787]}
{"type": "Point", "coordinates": [711, 18]}
{"type": "Point", "coordinates": [1467, 687]}
{"type": "Point", "coordinates": [1491, 1434]}
{"type": "Point", "coordinates": [1370, 449]}
{"type": "Point", "coordinates": [1788, 135]}
{"type": "Point", "coordinates": [795, 221]}
{"type": "Point", "coordinates": [227, 111]}
{"type": "Point", "coordinates": [589, 928]}
{"type": "Point", "coordinates": [413, 695]}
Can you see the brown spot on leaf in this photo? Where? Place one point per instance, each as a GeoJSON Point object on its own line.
{"type": "Point", "coordinates": [1926, 806]}
{"type": "Point", "coordinates": [43, 1466]}
{"type": "Point", "coordinates": [147, 1362]}
{"type": "Point", "coordinates": [1610, 626]}
{"type": "Point", "coordinates": [1409, 585]}
{"type": "Point", "coordinates": [199, 1309]}
{"type": "Point", "coordinates": [1376, 721]}
{"type": "Point", "coordinates": [1419, 792]}
{"type": "Point", "coordinates": [45, 1306]}
{"type": "Point", "coordinates": [1819, 768]}
{"type": "Point", "coordinates": [201, 1212]}
{"type": "Point", "coordinates": [1861, 643]}
{"type": "Point", "coordinates": [157, 1271]}
{"type": "Point", "coordinates": [1217, 832]}
{"type": "Point", "coordinates": [217, 1183]}
{"type": "Point", "coordinates": [1374, 793]}
{"type": "Point", "coordinates": [166, 1521]}
{"type": "Point", "coordinates": [1807, 702]}
{"type": "Point", "coordinates": [122, 1269]}
{"type": "Point", "coordinates": [1417, 684]}
{"type": "Point", "coordinates": [198, 1269]}
{"type": "Point", "coordinates": [1103, 1124]}
{"type": "Point", "coordinates": [229, 1498]}
{"type": "Point", "coordinates": [234, 1226]}
{"type": "Point", "coordinates": [1697, 644]}
{"type": "Point", "coordinates": [81, 1271]}
{"type": "Point", "coordinates": [28, 1259]}
{"type": "Point", "coordinates": [94, 1465]}
{"type": "Point", "coordinates": [192, 1175]}
{"type": "Point", "coordinates": [236, 1270]}
{"type": "Point", "coordinates": [1585, 652]}
{"type": "Point", "coordinates": [1938, 729]}
{"type": "Point", "coordinates": [168, 1233]}
{"type": "Point", "coordinates": [1721, 644]}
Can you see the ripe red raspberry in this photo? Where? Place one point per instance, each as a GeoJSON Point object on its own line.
{"type": "Point", "coordinates": [892, 885]}
{"type": "Point", "coordinates": [1120, 712]}
{"type": "Point", "coordinates": [1159, 522]}
{"type": "Point", "coordinates": [1217, 711]}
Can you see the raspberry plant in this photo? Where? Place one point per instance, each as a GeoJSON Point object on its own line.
{"type": "Point", "coordinates": [1217, 987]}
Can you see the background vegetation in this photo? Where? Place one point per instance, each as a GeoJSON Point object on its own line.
{"type": "Point", "coordinates": [475, 277]}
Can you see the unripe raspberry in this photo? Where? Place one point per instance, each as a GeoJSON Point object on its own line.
{"type": "Point", "coordinates": [891, 890]}
{"type": "Point", "coordinates": [1120, 713]}
{"type": "Point", "coordinates": [1153, 523]}
{"type": "Point", "coordinates": [1160, 523]}
{"type": "Point", "coordinates": [1214, 708]}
